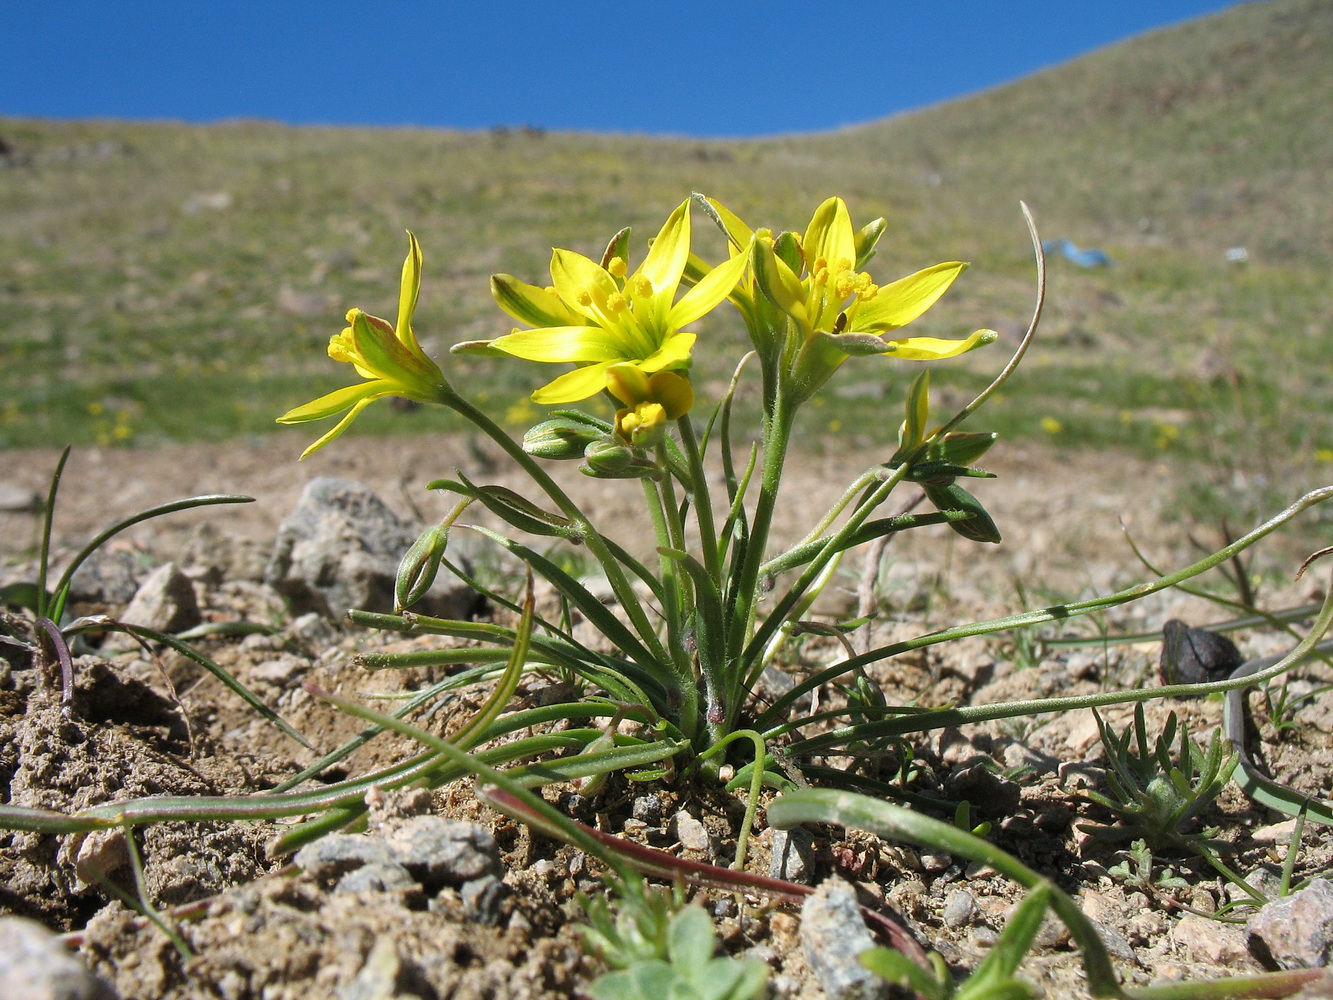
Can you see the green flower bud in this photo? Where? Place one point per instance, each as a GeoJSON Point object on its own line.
{"type": "Point", "coordinates": [979, 527]}
{"type": "Point", "coordinates": [419, 566]}
{"type": "Point", "coordinates": [564, 436]}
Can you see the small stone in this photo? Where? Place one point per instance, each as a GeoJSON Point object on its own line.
{"type": "Point", "coordinates": [378, 876]}
{"type": "Point", "coordinates": [484, 899]}
{"type": "Point", "coordinates": [833, 936]}
{"type": "Point", "coordinates": [1193, 655]}
{"type": "Point", "coordinates": [789, 857]}
{"type": "Point", "coordinates": [958, 908]}
{"type": "Point", "coordinates": [108, 576]}
{"type": "Point", "coordinates": [19, 500]}
{"type": "Point", "coordinates": [1210, 941]}
{"type": "Point", "coordinates": [166, 602]}
{"type": "Point", "coordinates": [648, 809]}
{"type": "Point", "coordinates": [1116, 943]}
{"type": "Point", "coordinates": [35, 965]}
{"type": "Point", "coordinates": [337, 854]}
{"type": "Point", "coordinates": [690, 833]}
{"type": "Point", "coordinates": [441, 852]}
{"type": "Point", "coordinates": [340, 549]}
{"type": "Point", "coordinates": [1296, 931]}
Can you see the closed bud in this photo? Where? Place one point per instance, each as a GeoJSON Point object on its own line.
{"type": "Point", "coordinates": [564, 436]}
{"type": "Point", "coordinates": [417, 570]}
{"type": "Point", "coordinates": [979, 527]}
{"type": "Point", "coordinates": [609, 460]}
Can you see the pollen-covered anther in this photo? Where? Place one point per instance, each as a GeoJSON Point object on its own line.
{"type": "Point", "coordinates": [341, 346]}
{"type": "Point", "coordinates": [617, 267]}
{"type": "Point", "coordinates": [640, 287]}
{"type": "Point", "coordinates": [819, 273]}
{"type": "Point", "coordinates": [583, 298]}
{"type": "Point", "coordinates": [616, 303]}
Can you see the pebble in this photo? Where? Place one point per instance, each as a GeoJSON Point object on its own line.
{"type": "Point", "coordinates": [958, 908]}
{"type": "Point", "coordinates": [165, 602]}
{"type": "Point", "coordinates": [484, 899]}
{"type": "Point", "coordinates": [648, 809]}
{"type": "Point", "coordinates": [35, 965]}
{"type": "Point", "coordinates": [441, 852]}
{"type": "Point", "coordinates": [789, 856]}
{"type": "Point", "coordinates": [377, 876]}
{"type": "Point", "coordinates": [1209, 940]}
{"type": "Point", "coordinates": [833, 936]}
{"type": "Point", "coordinates": [19, 499]}
{"type": "Point", "coordinates": [1296, 931]}
{"type": "Point", "coordinates": [690, 833]}
{"type": "Point", "coordinates": [337, 854]}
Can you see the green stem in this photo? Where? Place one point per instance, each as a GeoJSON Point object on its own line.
{"type": "Point", "coordinates": [615, 574]}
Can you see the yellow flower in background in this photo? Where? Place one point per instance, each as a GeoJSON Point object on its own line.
{"type": "Point", "coordinates": [597, 316]}
{"type": "Point", "coordinates": [650, 401]}
{"type": "Point", "coordinates": [386, 355]}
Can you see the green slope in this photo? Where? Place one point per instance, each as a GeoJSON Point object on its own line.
{"type": "Point", "coordinates": [163, 281]}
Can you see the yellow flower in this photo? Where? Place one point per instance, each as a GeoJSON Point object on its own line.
{"type": "Point", "coordinates": [384, 354]}
{"type": "Point", "coordinates": [838, 310]}
{"type": "Point", "coordinates": [595, 316]}
{"type": "Point", "coordinates": [650, 401]}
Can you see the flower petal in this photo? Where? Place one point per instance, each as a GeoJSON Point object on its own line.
{"type": "Point", "coordinates": [738, 233]}
{"type": "Point", "coordinates": [830, 235]}
{"type": "Point", "coordinates": [573, 386]}
{"type": "Point", "coordinates": [674, 392]}
{"type": "Point", "coordinates": [704, 296]}
{"type": "Point", "coordinates": [666, 258]}
{"type": "Point", "coordinates": [674, 353]}
{"type": "Point", "coordinates": [562, 343]}
{"type": "Point", "coordinates": [933, 348]}
{"type": "Point", "coordinates": [628, 383]}
{"type": "Point", "coordinates": [342, 424]}
{"type": "Point", "coordinates": [530, 304]}
{"type": "Point", "coordinates": [897, 304]}
{"type": "Point", "coordinates": [581, 284]}
{"type": "Point", "coordinates": [333, 402]}
{"type": "Point", "coordinates": [408, 290]}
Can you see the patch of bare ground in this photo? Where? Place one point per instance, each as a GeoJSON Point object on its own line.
{"type": "Point", "coordinates": [258, 927]}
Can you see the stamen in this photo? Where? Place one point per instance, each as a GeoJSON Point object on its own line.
{"type": "Point", "coordinates": [617, 267]}
{"type": "Point", "coordinates": [640, 287]}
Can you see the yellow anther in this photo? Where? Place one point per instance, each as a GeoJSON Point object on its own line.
{"type": "Point", "coordinates": [615, 302]}
{"type": "Point", "coordinates": [640, 287]}
{"type": "Point", "coordinates": [584, 298]}
{"type": "Point", "coordinates": [342, 347]}
{"type": "Point", "coordinates": [869, 292]}
{"type": "Point", "coordinates": [617, 267]}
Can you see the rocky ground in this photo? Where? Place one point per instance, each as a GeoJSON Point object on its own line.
{"type": "Point", "coordinates": [440, 897]}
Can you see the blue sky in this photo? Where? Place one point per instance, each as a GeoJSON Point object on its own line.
{"type": "Point", "coordinates": [686, 67]}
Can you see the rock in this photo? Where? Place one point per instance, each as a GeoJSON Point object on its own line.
{"type": "Point", "coordinates": [790, 855]}
{"type": "Point", "coordinates": [958, 909]}
{"type": "Point", "coordinates": [340, 549]}
{"type": "Point", "coordinates": [165, 602]}
{"type": "Point", "coordinates": [441, 852]}
{"type": "Point", "coordinates": [1296, 931]}
{"type": "Point", "coordinates": [691, 834]}
{"type": "Point", "coordinates": [648, 809]}
{"type": "Point", "coordinates": [339, 853]}
{"type": "Point", "coordinates": [1193, 655]}
{"type": "Point", "coordinates": [833, 936]}
{"type": "Point", "coordinates": [108, 576]}
{"type": "Point", "coordinates": [378, 876]}
{"type": "Point", "coordinates": [35, 965]}
{"type": "Point", "coordinates": [484, 899]}
{"type": "Point", "coordinates": [19, 500]}
{"type": "Point", "coordinates": [1209, 941]}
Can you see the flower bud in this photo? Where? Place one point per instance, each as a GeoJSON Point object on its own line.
{"type": "Point", "coordinates": [417, 570]}
{"type": "Point", "coordinates": [564, 436]}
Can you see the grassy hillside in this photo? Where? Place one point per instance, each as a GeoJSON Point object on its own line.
{"type": "Point", "coordinates": [163, 281]}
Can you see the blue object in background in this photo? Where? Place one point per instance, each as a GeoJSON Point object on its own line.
{"type": "Point", "coordinates": [1092, 257]}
